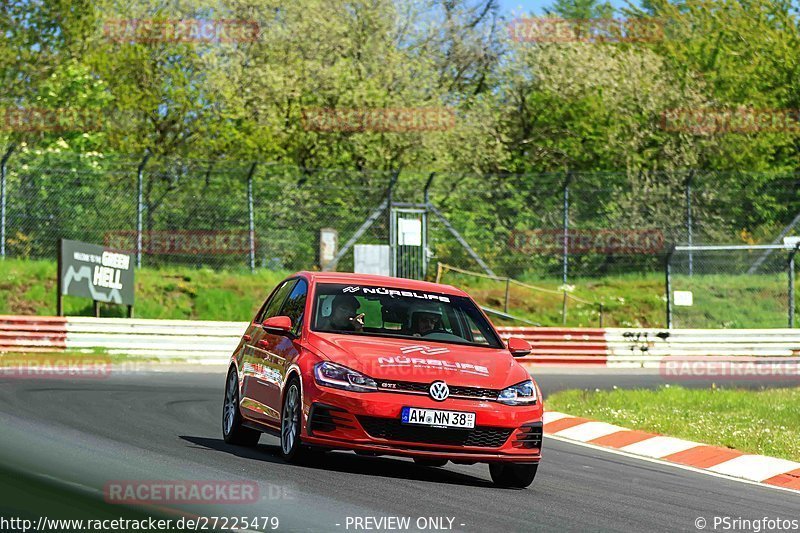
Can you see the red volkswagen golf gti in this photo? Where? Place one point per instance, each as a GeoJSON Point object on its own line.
{"type": "Point", "coordinates": [384, 365]}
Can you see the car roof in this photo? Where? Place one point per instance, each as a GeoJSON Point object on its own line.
{"type": "Point", "coordinates": [381, 281]}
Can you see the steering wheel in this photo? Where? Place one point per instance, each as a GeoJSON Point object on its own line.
{"type": "Point", "coordinates": [437, 330]}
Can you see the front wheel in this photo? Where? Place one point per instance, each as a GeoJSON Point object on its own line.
{"type": "Point", "coordinates": [232, 429]}
{"type": "Point", "coordinates": [292, 448]}
{"type": "Point", "coordinates": [513, 475]}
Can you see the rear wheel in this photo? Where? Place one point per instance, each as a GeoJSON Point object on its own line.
{"type": "Point", "coordinates": [513, 475]}
{"type": "Point", "coordinates": [232, 429]}
{"type": "Point", "coordinates": [430, 462]}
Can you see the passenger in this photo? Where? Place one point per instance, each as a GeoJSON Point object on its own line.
{"type": "Point", "coordinates": [423, 322]}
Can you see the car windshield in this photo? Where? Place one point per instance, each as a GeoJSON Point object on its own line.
{"type": "Point", "coordinates": [391, 312]}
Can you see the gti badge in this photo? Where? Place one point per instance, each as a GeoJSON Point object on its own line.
{"type": "Point", "coordinates": [439, 391]}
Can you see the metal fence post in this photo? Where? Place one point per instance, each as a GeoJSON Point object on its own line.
{"type": "Point", "coordinates": [505, 301]}
{"type": "Point", "coordinates": [140, 207]}
{"type": "Point", "coordinates": [668, 284]}
{"type": "Point", "coordinates": [791, 285]}
{"type": "Point", "coordinates": [390, 213]}
{"type": "Point", "coordinates": [565, 275]}
{"type": "Point", "coordinates": [251, 216]}
{"type": "Point", "coordinates": [3, 200]}
{"type": "Point", "coordinates": [689, 225]}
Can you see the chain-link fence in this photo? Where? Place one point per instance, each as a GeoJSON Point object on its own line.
{"type": "Point", "coordinates": [565, 228]}
{"type": "Point", "coordinates": [731, 286]}
{"type": "Point", "coordinates": [187, 213]}
{"type": "Point", "coordinates": [575, 226]}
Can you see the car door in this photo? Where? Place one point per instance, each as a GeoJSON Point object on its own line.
{"type": "Point", "coordinates": [283, 348]}
{"type": "Point", "coordinates": [262, 377]}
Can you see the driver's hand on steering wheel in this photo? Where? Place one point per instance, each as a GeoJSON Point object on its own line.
{"type": "Point", "coordinates": [358, 322]}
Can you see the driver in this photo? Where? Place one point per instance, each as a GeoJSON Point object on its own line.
{"type": "Point", "coordinates": [423, 322]}
{"type": "Point", "coordinates": [344, 316]}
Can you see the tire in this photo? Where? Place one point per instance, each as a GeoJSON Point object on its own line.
{"type": "Point", "coordinates": [513, 475]}
{"type": "Point", "coordinates": [233, 432]}
{"type": "Point", "coordinates": [292, 448]}
{"type": "Point", "coordinates": [430, 462]}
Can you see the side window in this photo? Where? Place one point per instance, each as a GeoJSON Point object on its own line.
{"type": "Point", "coordinates": [295, 305]}
{"type": "Point", "coordinates": [473, 331]}
{"type": "Point", "coordinates": [274, 304]}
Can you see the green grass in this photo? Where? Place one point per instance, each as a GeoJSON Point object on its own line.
{"type": "Point", "coordinates": [28, 496]}
{"type": "Point", "coordinates": [764, 422]}
{"type": "Point", "coordinates": [632, 300]}
{"type": "Point", "coordinates": [94, 355]}
{"type": "Point", "coordinates": [29, 288]}
{"type": "Point", "coordinates": [638, 300]}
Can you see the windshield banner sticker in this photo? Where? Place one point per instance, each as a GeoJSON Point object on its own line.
{"type": "Point", "coordinates": [382, 291]}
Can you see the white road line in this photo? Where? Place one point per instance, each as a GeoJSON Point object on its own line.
{"type": "Point", "coordinates": [755, 467]}
{"type": "Point", "coordinates": [552, 416]}
{"type": "Point", "coordinates": [589, 431]}
{"type": "Point", "coordinates": [659, 446]}
{"type": "Point", "coordinates": [667, 463]}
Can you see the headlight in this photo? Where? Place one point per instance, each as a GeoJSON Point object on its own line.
{"type": "Point", "coordinates": [341, 377]}
{"type": "Point", "coordinates": [520, 394]}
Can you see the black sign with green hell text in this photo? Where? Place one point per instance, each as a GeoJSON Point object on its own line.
{"type": "Point", "coordinates": [96, 272]}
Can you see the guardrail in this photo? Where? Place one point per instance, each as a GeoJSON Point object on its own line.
{"type": "Point", "coordinates": [647, 348]}
{"type": "Point", "coordinates": [562, 345]}
{"type": "Point", "coordinates": [213, 342]}
{"type": "Point", "coordinates": [192, 340]}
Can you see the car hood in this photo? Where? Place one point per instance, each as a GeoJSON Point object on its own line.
{"type": "Point", "coordinates": [420, 361]}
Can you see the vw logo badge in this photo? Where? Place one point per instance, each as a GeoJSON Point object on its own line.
{"type": "Point", "coordinates": [439, 391]}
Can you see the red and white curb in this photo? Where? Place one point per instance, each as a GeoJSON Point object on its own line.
{"type": "Point", "coordinates": [755, 468]}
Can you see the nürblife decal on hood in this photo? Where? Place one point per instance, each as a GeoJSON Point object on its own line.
{"type": "Point", "coordinates": [423, 350]}
{"type": "Point", "coordinates": [383, 291]}
{"type": "Point", "coordinates": [404, 361]}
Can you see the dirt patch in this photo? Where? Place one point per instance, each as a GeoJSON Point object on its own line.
{"type": "Point", "coordinates": [18, 304]}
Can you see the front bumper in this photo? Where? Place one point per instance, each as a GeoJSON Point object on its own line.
{"type": "Point", "coordinates": [370, 422]}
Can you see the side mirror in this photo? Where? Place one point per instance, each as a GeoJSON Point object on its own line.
{"type": "Point", "coordinates": [278, 324]}
{"type": "Point", "coordinates": [519, 347]}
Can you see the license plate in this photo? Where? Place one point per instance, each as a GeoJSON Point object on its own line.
{"type": "Point", "coordinates": [436, 418]}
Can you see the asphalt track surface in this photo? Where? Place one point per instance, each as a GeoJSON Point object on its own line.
{"type": "Point", "coordinates": [166, 426]}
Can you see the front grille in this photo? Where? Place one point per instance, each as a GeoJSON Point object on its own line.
{"type": "Point", "coordinates": [530, 436]}
{"type": "Point", "coordinates": [455, 391]}
{"type": "Point", "coordinates": [474, 392]}
{"type": "Point", "coordinates": [392, 429]}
